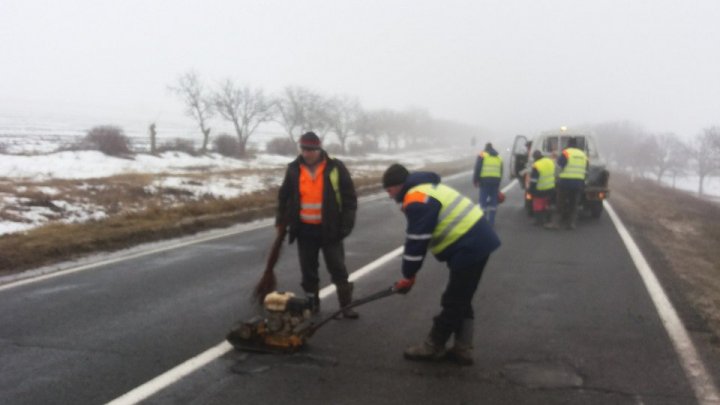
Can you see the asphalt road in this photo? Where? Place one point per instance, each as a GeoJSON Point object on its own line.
{"type": "Point", "coordinates": [561, 317]}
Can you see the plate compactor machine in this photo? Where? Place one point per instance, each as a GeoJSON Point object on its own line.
{"type": "Point", "coordinates": [287, 323]}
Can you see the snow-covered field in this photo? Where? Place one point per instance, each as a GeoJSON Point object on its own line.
{"type": "Point", "coordinates": [28, 172]}
{"type": "Point", "coordinates": [711, 185]}
{"type": "Point", "coordinates": [39, 186]}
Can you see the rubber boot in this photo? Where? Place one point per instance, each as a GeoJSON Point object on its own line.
{"type": "Point", "coordinates": [429, 350]}
{"type": "Point", "coordinates": [462, 350]}
{"type": "Point", "coordinates": [552, 224]}
{"type": "Point", "coordinates": [539, 218]}
{"type": "Point", "coordinates": [573, 223]}
{"type": "Point", "coordinates": [314, 297]}
{"type": "Point", "coordinates": [344, 292]}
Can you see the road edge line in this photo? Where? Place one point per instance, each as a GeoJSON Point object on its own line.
{"type": "Point", "coordinates": [695, 371]}
{"type": "Point", "coordinates": [189, 366]}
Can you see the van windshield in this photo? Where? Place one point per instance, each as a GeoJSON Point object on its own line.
{"type": "Point", "coordinates": [550, 145]}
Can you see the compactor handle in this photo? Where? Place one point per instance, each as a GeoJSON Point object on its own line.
{"type": "Point", "coordinates": [386, 292]}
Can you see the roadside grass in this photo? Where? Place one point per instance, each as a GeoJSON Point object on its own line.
{"type": "Point", "coordinates": [135, 215]}
{"type": "Point", "coordinates": [678, 233]}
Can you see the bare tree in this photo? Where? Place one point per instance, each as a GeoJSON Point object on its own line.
{"type": "Point", "coordinates": [244, 107]}
{"type": "Point", "coordinates": [366, 129]}
{"type": "Point", "coordinates": [618, 140]}
{"type": "Point", "coordinates": [317, 118]}
{"type": "Point", "coordinates": [197, 103]}
{"type": "Point", "coordinates": [344, 113]}
{"type": "Point", "coordinates": [679, 155]}
{"type": "Point", "coordinates": [293, 109]}
{"type": "Point", "coordinates": [417, 125]}
{"type": "Point", "coordinates": [389, 123]}
{"type": "Point", "coordinates": [661, 152]}
{"type": "Point", "coordinates": [706, 154]}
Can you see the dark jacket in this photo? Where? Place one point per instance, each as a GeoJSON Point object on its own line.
{"type": "Point", "coordinates": [569, 184]}
{"type": "Point", "coordinates": [486, 181]}
{"type": "Point", "coordinates": [337, 221]}
{"type": "Point", "coordinates": [471, 248]}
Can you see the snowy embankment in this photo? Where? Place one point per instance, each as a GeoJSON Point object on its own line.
{"type": "Point", "coordinates": [39, 189]}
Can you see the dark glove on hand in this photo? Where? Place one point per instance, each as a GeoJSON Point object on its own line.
{"type": "Point", "coordinates": [404, 285]}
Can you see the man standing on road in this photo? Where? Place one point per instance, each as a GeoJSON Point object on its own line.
{"type": "Point", "coordinates": [317, 201]}
{"type": "Point", "coordinates": [542, 187]}
{"type": "Point", "coordinates": [487, 176]}
{"type": "Point", "coordinates": [456, 231]}
{"type": "Point", "coordinates": [573, 164]}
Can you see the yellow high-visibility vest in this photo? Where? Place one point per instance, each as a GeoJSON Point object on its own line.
{"type": "Point", "coordinates": [576, 164]}
{"type": "Point", "coordinates": [546, 169]}
{"type": "Point", "coordinates": [335, 183]}
{"type": "Point", "coordinates": [457, 215]}
{"type": "Point", "coordinates": [491, 167]}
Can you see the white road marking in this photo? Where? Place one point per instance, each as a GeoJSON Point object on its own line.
{"type": "Point", "coordinates": [174, 375]}
{"type": "Point", "coordinates": [18, 280]}
{"type": "Point", "coordinates": [171, 376]}
{"type": "Point", "coordinates": [249, 227]}
{"type": "Point", "coordinates": [695, 371]}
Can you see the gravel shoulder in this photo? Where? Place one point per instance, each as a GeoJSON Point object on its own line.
{"type": "Point", "coordinates": [678, 233]}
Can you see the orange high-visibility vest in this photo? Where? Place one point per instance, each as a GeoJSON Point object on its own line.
{"type": "Point", "coordinates": [311, 193]}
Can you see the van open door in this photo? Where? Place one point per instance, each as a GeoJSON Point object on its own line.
{"type": "Point", "coordinates": [519, 158]}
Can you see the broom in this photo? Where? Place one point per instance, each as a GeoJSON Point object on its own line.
{"type": "Point", "coordinates": [268, 283]}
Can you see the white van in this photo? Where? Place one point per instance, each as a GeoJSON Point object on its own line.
{"type": "Point", "coordinates": [551, 145]}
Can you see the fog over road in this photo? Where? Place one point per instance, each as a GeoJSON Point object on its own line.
{"type": "Point", "coordinates": [561, 317]}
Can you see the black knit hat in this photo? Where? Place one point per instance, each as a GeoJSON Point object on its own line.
{"type": "Point", "coordinates": [310, 140]}
{"type": "Point", "coordinates": [394, 175]}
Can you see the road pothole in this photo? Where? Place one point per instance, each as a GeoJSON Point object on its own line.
{"type": "Point", "coordinates": [250, 364]}
{"type": "Point", "coordinates": [542, 374]}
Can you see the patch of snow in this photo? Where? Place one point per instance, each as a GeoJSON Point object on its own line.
{"type": "Point", "coordinates": [175, 170]}
{"type": "Point", "coordinates": [711, 185]}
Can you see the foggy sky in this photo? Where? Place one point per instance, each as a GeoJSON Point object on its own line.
{"type": "Point", "coordinates": [508, 66]}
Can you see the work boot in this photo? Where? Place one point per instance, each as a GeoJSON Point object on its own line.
{"type": "Point", "coordinates": [572, 222]}
{"type": "Point", "coordinates": [552, 225]}
{"type": "Point", "coordinates": [314, 297]}
{"type": "Point", "coordinates": [429, 350]}
{"type": "Point", "coordinates": [539, 218]}
{"type": "Point", "coordinates": [462, 350]}
{"type": "Point", "coordinates": [344, 292]}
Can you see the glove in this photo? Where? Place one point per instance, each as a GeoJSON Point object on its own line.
{"type": "Point", "coordinates": [404, 285]}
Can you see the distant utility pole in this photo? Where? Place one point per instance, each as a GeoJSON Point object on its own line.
{"type": "Point", "coordinates": [153, 137]}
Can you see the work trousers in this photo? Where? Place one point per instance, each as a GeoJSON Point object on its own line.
{"type": "Point", "coordinates": [457, 299]}
{"type": "Point", "coordinates": [489, 200]}
{"type": "Point", "coordinates": [567, 203]}
{"type": "Point", "coordinates": [310, 244]}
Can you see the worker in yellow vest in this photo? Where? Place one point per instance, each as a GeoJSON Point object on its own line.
{"type": "Point", "coordinates": [487, 175]}
{"type": "Point", "coordinates": [573, 165]}
{"type": "Point", "coordinates": [317, 203]}
{"type": "Point", "coordinates": [542, 187]}
{"type": "Point", "coordinates": [455, 230]}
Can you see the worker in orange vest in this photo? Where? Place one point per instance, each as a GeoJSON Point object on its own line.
{"type": "Point", "coordinates": [317, 203]}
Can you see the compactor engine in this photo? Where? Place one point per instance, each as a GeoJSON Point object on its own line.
{"type": "Point", "coordinates": [284, 326]}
